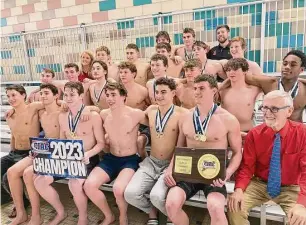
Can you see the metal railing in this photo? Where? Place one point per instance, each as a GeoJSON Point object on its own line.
{"type": "Point", "coordinates": [271, 28]}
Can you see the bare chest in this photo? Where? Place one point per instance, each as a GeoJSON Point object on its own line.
{"type": "Point", "coordinates": [174, 70]}
{"type": "Point", "coordinates": [186, 98]}
{"type": "Point", "coordinates": [170, 126]}
{"type": "Point", "coordinates": [135, 99]}
{"type": "Point", "coordinates": [49, 121]}
{"type": "Point", "coordinates": [82, 129]}
{"type": "Point", "coordinates": [141, 77]}
{"type": "Point", "coordinates": [216, 131]}
{"type": "Point", "coordinates": [238, 99]}
{"type": "Point", "coordinates": [98, 97]}
{"type": "Point", "coordinates": [113, 72]}
{"type": "Point", "coordinates": [123, 125]}
{"type": "Point", "coordinates": [23, 121]}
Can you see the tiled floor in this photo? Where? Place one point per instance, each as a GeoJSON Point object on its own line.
{"type": "Point", "coordinates": [136, 217]}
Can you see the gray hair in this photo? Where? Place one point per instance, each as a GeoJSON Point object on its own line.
{"type": "Point", "coordinates": [280, 94]}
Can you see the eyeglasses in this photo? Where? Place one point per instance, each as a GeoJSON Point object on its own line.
{"type": "Point", "coordinates": [273, 109]}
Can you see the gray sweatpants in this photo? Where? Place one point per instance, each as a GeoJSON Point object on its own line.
{"type": "Point", "coordinates": [147, 188]}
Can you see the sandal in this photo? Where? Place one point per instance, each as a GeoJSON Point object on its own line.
{"type": "Point", "coordinates": [153, 222]}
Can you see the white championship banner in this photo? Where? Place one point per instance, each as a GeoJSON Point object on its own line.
{"type": "Point", "coordinates": [58, 157]}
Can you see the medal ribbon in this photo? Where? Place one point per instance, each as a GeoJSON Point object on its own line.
{"type": "Point", "coordinates": [160, 123]}
{"type": "Point", "coordinates": [293, 92]}
{"type": "Point", "coordinates": [203, 67]}
{"type": "Point", "coordinates": [201, 128]}
{"type": "Point", "coordinates": [98, 96]}
{"type": "Point", "coordinates": [188, 56]}
{"type": "Point", "coordinates": [74, 123]}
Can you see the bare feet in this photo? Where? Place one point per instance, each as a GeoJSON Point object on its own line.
{"type": "Point", "coordinates": [35, 220]}
{"type": "Point", "coordinates": [83, 221]}
{"type": "Point", "coordinates": [108, 220]}
{"type": "Point", "coordinates": [123, 220]}
{"type": "Point", "coordinates": [20, 218]}
{"type": "Point", "coordinates": [58, 218]}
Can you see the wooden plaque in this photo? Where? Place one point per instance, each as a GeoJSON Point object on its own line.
{"type": "Point", "coordinates": [199, 165]}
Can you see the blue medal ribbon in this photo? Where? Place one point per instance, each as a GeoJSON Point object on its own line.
{"type": "Point", "coordinates": [160, 123]}
{"type": "Point", "coordinates": [73, 123]}
{"type": "Point", "coordinates": [200, 128]}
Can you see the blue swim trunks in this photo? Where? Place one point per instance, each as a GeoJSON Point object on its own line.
{"type": "Point", "coordinates": [112, 164]}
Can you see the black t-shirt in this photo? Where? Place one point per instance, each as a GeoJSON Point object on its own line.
{"type": "Point", "coordinates": [218, 53]}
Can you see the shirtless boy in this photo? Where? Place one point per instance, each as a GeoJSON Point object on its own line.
{"type": "Point", "coordinates": [121, 124]}
{"type": "Point", "coordinates": [72, 73]}
{"type": "Point", "coordinates": [222, 130]}
{"type": "Point", "coordinates": [132, 55]}
{"type": "Point", "coordinates": [237, 49]}
{"type": "Point", "coordinates": [163, 123]}
{"type": "Point", "coordinates": [200, 50]}
{"type": "Point", "coordinates": [174, 69]}
{"type": "Point", "coordinates": [24, 124]}
{"type": "Point", "coordinates": [159, 66]}
{"type": "Point", "coordinates": [138, 97]}
{"type": "Point", "coordinates": [103, 54]}
{"type": "Point", "coordinates": [99, 72]}
{"type": "Point", "coordinates": [186, 52]}
{"type": "Point", "coordinates": [185, 90]}
{"type": "Point", "coordinates": [162, 37]}
{"type": "Point", "coordinates": [92, 135]}
{"type": "Point", "coordinates": [49, 122]}
{"type": "Point", "coordinates": [239, 96]}
{"type": "Point", "coordinates": [294, 64]}
{"type": "Point", "coordinates": [46, 77]}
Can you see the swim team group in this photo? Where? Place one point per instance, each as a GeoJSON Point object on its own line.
{"type": "Point", "coordinates": [186, 96]}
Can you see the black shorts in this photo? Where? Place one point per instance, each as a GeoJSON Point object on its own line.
{"type": "Point", "coordinates": [192, 188]}
{"type": "Point", "coordinates": [8, 161]}
{"type": "Point", "coordinates": [93, 161]}
{"type": "Point", "coordinates": [145, 130]}
{"type": "Point", "coordinates": [113, 165]}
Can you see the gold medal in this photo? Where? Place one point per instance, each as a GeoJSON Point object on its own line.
{"type": "Point", "coordinates": [203, 138]}
{"type": "Point", "coordinates": [159, 134]}
{"type": "Point", "coordinates": [196, 137]}
{"type": "Point", "coordinates": [73, 135]}
{"type": "Point", "coordinates": [200, 127]}
{"type": "Point", "coordinates": [200, 137]}
{"type": "Point", "coordinates": [160, 123]}
{"type": "Point", "coordinates": [73, 123]}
